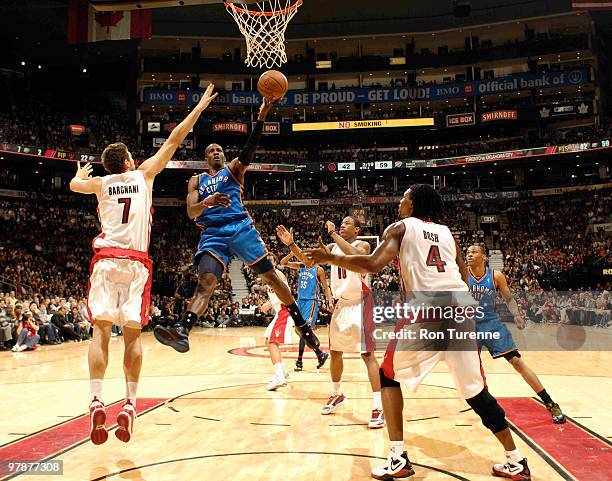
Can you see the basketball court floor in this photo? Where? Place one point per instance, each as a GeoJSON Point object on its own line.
{"type": "Point", "coordinates": [206, 415]}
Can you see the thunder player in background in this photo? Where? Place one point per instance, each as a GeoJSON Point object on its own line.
{"type": "Point", "coordinates": [121, 270]}
{"type": "Point", "coordinates": [347, 325]}
{"type": "Point", "coordinates": [430, 261]}
{"type": "Point", "coordinates": [214, 200]}
{"type": "Point", "coordinates": [484, 282]}
{"type": "Point", "coordinates": [310, 277]}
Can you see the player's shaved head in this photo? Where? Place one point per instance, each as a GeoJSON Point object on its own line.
{"type": "Point", "coordinates": [214, 156]}
{"type": "Point", "coordinates": [210, 147]}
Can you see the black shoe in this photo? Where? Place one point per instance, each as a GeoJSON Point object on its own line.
{"type": "Point", "coordinates": [298, 366]}
{"type": "Point", "coordinates": [322, 359]}
{"type": "Point", "coordinates": [557, 415]}
{"type": "Point", "coordinates": [176, 337]}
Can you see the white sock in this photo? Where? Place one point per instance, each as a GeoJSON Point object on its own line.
{"type": "Point", "coordinates": [130, 392]}
{"type": "Point", "coordinates": [336, 387]}
{"type": "Point", "coordinates": [376, 401]}
{"type": "Point", "coordinates": [397, 447]}
{"type": "Point", "coordinates": [95, 385]}
{"type": "Point", "coordinates": [279, 370]}
{"type": "Point", "coordinates": [514, 456]}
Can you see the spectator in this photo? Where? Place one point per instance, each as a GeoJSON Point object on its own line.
{"type": "Point", "coordinates": [66, 328]}
{"type": "Point", "coordinates": [27, 334]}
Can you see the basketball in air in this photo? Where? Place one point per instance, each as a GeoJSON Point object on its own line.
{"type": "Point", "coordinates": [272, 85]}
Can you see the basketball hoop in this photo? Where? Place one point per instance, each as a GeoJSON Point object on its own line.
{"type": "Point", "coordinates": [264, 29]}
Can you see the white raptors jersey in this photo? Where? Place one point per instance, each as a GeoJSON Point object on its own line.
{"type": "Point", "coordinates": [276, 302]}
{"type": "Point", "coordinates": [347, 284]}
{"type": "Point", "coordinates": [124, 207]}
{"type": "Point", "coordinates": [427, 258]}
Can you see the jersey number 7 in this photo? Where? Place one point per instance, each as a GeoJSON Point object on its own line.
{"type": "Point", "coordinates": [434, 259]}
{"type": "Point", "coordinates": [127, 202]}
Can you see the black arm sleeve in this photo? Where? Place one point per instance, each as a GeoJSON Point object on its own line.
{"type": "Point", "coordinates": [248, 151]}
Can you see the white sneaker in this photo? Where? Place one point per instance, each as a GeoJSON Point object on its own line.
{"type": "Point", "coordinates": [333, 402]}
{"type": "Point", "coordinates": [515, 471]}
{"type": "Point", "coordinates": [275, 383]}
{"type": "Point", "coordinates": [15, 348]}
{"type": "Point", "coordinates": [397, 467]}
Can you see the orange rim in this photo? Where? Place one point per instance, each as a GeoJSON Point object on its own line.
{"type": "Point", "coordinates": [273, 13]}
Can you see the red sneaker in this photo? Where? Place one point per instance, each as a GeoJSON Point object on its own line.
{"type": "Point", "coordinates": [125, 420]}
{"type": "Point", "coordinates": [97, 418]}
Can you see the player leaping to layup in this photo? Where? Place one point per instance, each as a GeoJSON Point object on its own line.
{"type": "Point", "coordinates": [430, 261]}
{"type": "Point", "coordinates": [348, 328]}
{"type": "Point", "coordinates": [310, 277]}
{"type": "Point", "coordinates": [121, 277]}
{"type": "Point", "coordinates": [484, 282]}
{"type": "Point", "coordinates": [215, 202]}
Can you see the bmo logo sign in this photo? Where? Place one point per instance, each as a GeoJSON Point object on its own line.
{"type": "Point", "coordinates": [160, 97]}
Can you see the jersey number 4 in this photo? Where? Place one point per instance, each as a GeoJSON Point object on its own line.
{"type": "Point", "coordinates": [127, 202]}
{"type": "Point", "coordinates": [434, 259]}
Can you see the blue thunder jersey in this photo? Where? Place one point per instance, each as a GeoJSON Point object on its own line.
{"type": "Point", "coordinates": [483, 290]}
{"type": "Point", "coordinates": [308, 286]}
{"type": "Point", "coordinates": [225, 183]}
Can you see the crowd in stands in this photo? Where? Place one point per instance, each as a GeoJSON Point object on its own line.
{"type": "Point", "coordinates": [27, 320]}
{"type": "Point", "coordinates": [45, 251]}
{"type": "Point", "coordinates": [45, 123]}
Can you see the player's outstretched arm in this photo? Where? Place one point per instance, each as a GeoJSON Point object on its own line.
{"type": "Point", "coordinates": [345, 246]}
{"type": "Point", "coordinates": [364, 264]}
{"type": "Point", "coordinates": [502, 287]}
{"type": "Point", "coordinates": [154, 165]}
{"type": "Point", "coordinates": [322, 275]}
{"type": "Point", "coordinates": [463, 270]}
{"type": "Point", "coordinates": [83, 182]}
{"type": "Point", "coordinates": [286, 237]}
{"type": "Point", "coordinates": [240, 164]}
{"type": "Point", "coordinates": [291, 265]}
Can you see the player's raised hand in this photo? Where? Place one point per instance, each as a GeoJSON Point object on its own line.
{"type": "Point", "coordinates": [321, 255]}
{"type": "Point", "coordinates": [330, 226]}
{"type": "Point", "coordinates": [217, 200]}
{"type": "Point", "coordinates": [207, 97]}
{"type": "Point", "coordinates": [285, 236]}
{"type": "Point", "coordinates": [265, 107]}
{"type": "Point", "coordinates": [84, 172]}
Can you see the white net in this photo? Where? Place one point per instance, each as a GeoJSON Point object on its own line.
{"type": "Point", "coordinates": [263, 25]}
